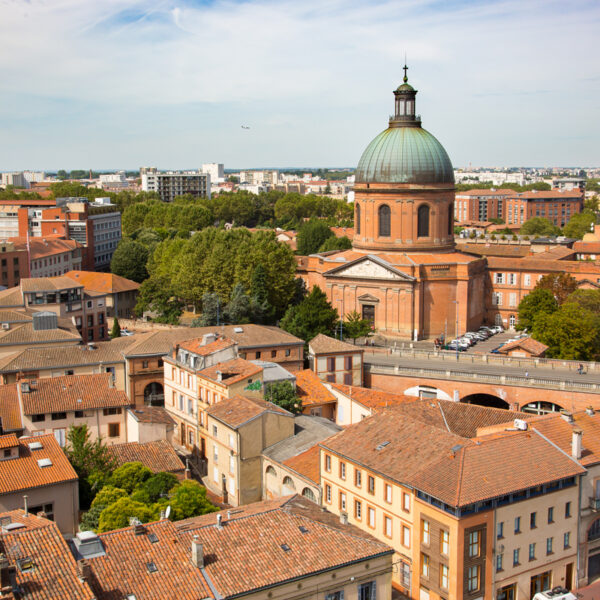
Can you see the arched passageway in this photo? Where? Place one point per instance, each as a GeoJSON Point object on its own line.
{"type": "Point", "coordinates": [486, 400]}
{"type": "Point", "coordinates": [154, 394]}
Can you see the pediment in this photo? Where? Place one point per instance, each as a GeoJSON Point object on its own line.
{"type": "Point", "coordinates": [369, 267]}
{"type": "Point", "coordinates": [368, 298]}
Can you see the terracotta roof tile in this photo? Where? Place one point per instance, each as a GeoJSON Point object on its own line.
{"type": "Point", "coordinates": [237, 411]}
{"type": "Point", "coordinates": [323, 344]}
{"type": "Point", "coordinates": [157, 456]}
{"type": "Point", "coordinates": [528, 344]}
{"type": "Point", "coordinates": [307, 464]}
{"type": "Point", "coordinates": [14, 316]}
{"type": "Point", "coordinates": [197, 346]}
{"type": "Point", "coordinates": [10, 410]}
{"type": "Point", "coordinates": [43, 247]}
{"type": "Point", "coordinates": [9, 441]}
{"type": "Point", "coordinates": [25, 473]}
{"type": "Point", "coordinates": [54, 576]}
{"type": "Point", "coordinates": [151, 414]}
{"type": "Point", "coordinates": [106, 283]}
{"type": "Point", "coordinates": [311, 390]}
{"type": "Point", "coordinates": [72, 392]}
{"type": "Point", "coordinates": [26, 334]}
{"type": "Point", "coordinates": [232, 371]}
{"type": "Point", "coordinates": [48, 284]}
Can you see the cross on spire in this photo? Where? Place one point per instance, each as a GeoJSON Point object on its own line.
{"type": "Point", "coordinates": [405, 69]}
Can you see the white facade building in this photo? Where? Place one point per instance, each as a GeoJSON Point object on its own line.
{"type": "Point", "coordinates": [17, 180]}
{"type": "Point", "coordinates": [260, 177]}
{"type": "Point", "coordinates": [216, 172]}
{"type": "Point", "coordinates": [171, 184]}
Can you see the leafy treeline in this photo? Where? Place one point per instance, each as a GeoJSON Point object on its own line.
{"type": "Point", "coordinates": [563, 317]}
{"type": "Point", "coordinates": [579, 224]}
{"type": "Point", "coordinates": [541, 186]}
{"type": "Point", "coordinates": [181, 271]}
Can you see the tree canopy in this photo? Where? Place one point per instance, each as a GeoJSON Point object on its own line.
{"type": "Point", "coordinates": [580, 224]}
{"type": "Point", "coordinates": [539, 226]}
{"type": "Point", "coordinates": [312, 235]}
{"type": "Point", "coordinates": [561, 285]}
{"type": "Point", "coordinates": [355, 326]}
{"type": "Point", "coordinates": [283, 393]}
{"type": "Point", "coordinates": [539, 300]}
{"type": "Point", "coordinates": [129, 260]}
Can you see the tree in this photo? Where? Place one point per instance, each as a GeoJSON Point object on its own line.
{"type": "Point", "coordinates": [571, 333]}
{"type": "Point", "coordinates": [539, 226]}
{"type": "Point", "coordinates": [129, 475]}
{"type": "Point", "coordinates": [117, 515]}
{"type": "Point", "coordinates": [336, 243]}
{"type": "Point", "coordinates": [283, 394]}
{"type": "Point", "coordinates": [538, 301]}
{"type": "Point", "coordinates": [561, 285]}
{"type": "Point", "coordinates": [129, 260]}
{"type": "Point", "coordinates": [115, 332]}
{"type": "Point", "coordinates": [108, 495]}
{"type": "Point", "coordinates": [188, 499]}
{"type": "Point", "coordinates": [159, 485]}
{"type": "Point", "coordinates": [91, 460]}
{"type": "Point", "coordinates": [211, 311]}
{"type": "Point", "coordinates": [355, 326]}
{"type": "Point", "coordinates": [312, 236]}
{"type": "Point", "coordinates": [90, 518]}
{"type": "Point", "coordinates": [588, 299]}
{"type": "Point", "coordinates": [312, 316]}
{"type": "Point", "coordinates": [238, 309]}
{"type": "Point", "coordinates": [262, 311]}
{"type": "Point", "coordinates": [157, 295]}
{"type": "Point", "coordinates": [580, 224]}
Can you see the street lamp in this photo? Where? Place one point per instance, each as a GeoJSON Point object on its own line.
{"type": "Point", "coordinates": [456, 331]}
{"type": "Point", "coordinates": [341, 301]}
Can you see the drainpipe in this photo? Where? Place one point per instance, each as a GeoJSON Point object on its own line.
{"type": "Point", "coordinates": [576, 582]}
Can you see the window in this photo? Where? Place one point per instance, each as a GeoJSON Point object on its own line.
{"type": "Point", "coordinates": [358, 509]}
{"type": "Point", "coordinates": [257, 355]}
{"type": "Point", "coordinates": [567, 510]}
{"type": "Point", "coordinates": [385, 217]}
{"type": "Point", "coordinates": [551, 514]}
{"type": "Point", "coordinates": [288, 352]}
{"type": "Point", "coordinates": [342, 470]}
{"type": "Point", "coordinates": [474, 539]}
{"type": "Point", "coordinates": [425, 538]}
{"type": "Point", "coordinates": [372, 517]}
{"type": "Point", "coordinates": [231, 440]}
{"type": "Point", "coordinates": [215, 452]}
{"type": "Point", "coordinates": [532, 520]}
{"type": "Point", "coordinates": [342, 501]}
{"type": "Point", "coordinates": [216, 474]}
{"type": "Point", "coordinates": [567, 540]}
{"type": "Point", "coordinates": [48, 509]}
{"type": "Point", "coordinates": [335, 596]}
{"type": "Point", "coordinates": [540, 583]}
{"type": "Point", "coordinates": [371, 484]}
{"type": "Point", "coordinates": [423, 221]}
{"type": "Point", "coordinates": [405, 536]}
{"type": "Point", "coordinates": [328, 463]}
{"type": "Point", "coordinates": [549, 545]}
{"type": "Point", "coordinates": [424, 565]}
{"type": "Point", "coordinates": [517, 524]}
{"type": "Point", "coordinates": [387, 526]}
{"type": "Point", "coordinates": [357, 219]}
{"type": "Point", "coordinates": [499, 559]}
{"type": "Point", "coordinates": [445, 542]}
{"type": "Point", "coordinates": [331, 364]}
{"type": "Point", "coordinates": [499, 278]}
{"type": "Point", "coordinates": [7, 453]}
{"type": "Point", "coordinates": [532, 551]}
{"type": "Point", "coordinates": [515, 557]}
{"type": "Point", "coordinates": [114, 430]}
{"type": "Point", "coordinates": [58, 416]}
{"type": "Point", "coordinates": [180, 402]}
{"type": "Point", "coordinates": [328, 493]}
{"type": "Point", "coordinates": [111, 411]}
{"type": "Point", "coordinates": [444, 571]}
{"type": "Point", "coordinates": [473, 579]}
{"type": "Point", "coordinates": [527, 280]}
{"type": "Point", "coordinates": [388, 493]}
{"type": "Point", "coordinates": [451, 219]}
{"type": "Point", "coordinates": [357, 477]}
{"type": "Point", "coordinates": [512, 299]}
{"type": "Point", "coordinates": [512, 279]}
{"type": "Point", "coordinates": [215, 430]}
{"type": "Point", "coordinates": [38, 418]}
{"type": "Point", "coordinates": [406, 502]}
{"type": "Point", "coordinates": [273, 353]}
{"type": "Point", "coordinates": [497, 298]}
{"type": "Point", "coordinates": [60, 435]}
{"type": "Point", "coordinates": [500, 530]}
{"type": "Point", "coordinates": [367, 591]}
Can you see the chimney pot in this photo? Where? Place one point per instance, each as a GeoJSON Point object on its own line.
{"type": "Point", "coordinates": [25, 507]}
{"type": "Point", "coordinates": [576, 443]}
{"type": "Point", "coordinates": [590, 411]}
{"type": "Point", "coordinates": [197, 553]}
{"type": "Point", "coordinates": [84, 571]}
{"type": "Point", "coordinates": [344, 518]}
{"type": "Point", "coordinates": [219, 521]}
{"type": "Point", "coordinates": [567, 416]}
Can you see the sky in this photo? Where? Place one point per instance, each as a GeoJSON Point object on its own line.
{"type": "Point", "coordinates": [108, 84]}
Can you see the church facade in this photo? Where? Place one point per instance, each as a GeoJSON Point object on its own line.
{"type": "Point", "coordinates": [403, 271]}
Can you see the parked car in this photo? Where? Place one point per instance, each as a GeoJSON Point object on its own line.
{"type": "Point", "coordinates": [498, 328]}
{"type": "Point", "coordinates": [126, 332]}
{"type": "Point", "coordinates": [455, 346]}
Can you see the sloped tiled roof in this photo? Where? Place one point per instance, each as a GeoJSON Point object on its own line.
{"type": "Point", "coordinates": [72, 392]}
{"type": "Point", "coordinates": [26, 334]}
{"type": "Point", "coordinates": [11, 297]}
{"type": "Point", "coordinates": [14, 316]}
{"type": "Point", "coordinates": [528, 344]}
{"type": "Point", "coordinates": [307, 464]}
{"type": "Point", "coordinates": [311, 390]}
{"type": "Point", "coordinates": [197, 347]}
{"type": "Point", "coordinates": [24, 472]}
{"type": "Point", "coordinates": [54, 576]}
{"type": "Point", "coordinates": [323, 344]}
{"type": "Point", "coordinates": [151, 414]}
{"type": "Point", "coordinates": [47, 284]}
{"type": "Point", "coordinates": [232, 371]}
{"type": "Point", "coordinates": [9, 441]}
{"type": "Point", "coordinates": [373, 399]}
{"type": "Point", "coordinates": [157, 456]}
{"type": "Point", "coordinates": [237, 411]}
{"type": "Point", "coordinates": [105, 283]}
{"type": "Point", "coordinates": [10, 411]}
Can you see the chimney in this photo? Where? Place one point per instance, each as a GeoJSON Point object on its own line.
{"type": "Point", "coordinates": [219, 376]}
{"type": "Point", "coordinates": [111, 380]}
{"type": "Point", "coordinates": [25, 508]}
{"type": "Point", "coordinates": [567, 416]}
{"type": "Point", "coordinates": [197, 553]}
{"type": "Point", "coordinates": [576, 443]}
{"type": "Point", "coordinates": [228, 515]}
{"type": "Point", "coordinates": [219, 521]}
{"type": "Point", "coordinates": [344, 518]}
{"type": "Point", "coordinates": [84, 571]}
{"type": "Point", "coordinates": [590, 411]}
{"type": "Point", "coordinates": [175, 351]}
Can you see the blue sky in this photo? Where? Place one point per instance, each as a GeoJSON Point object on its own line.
{"type": "Point", "coordinates": [121, 83]}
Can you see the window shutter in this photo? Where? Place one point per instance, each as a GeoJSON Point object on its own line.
{"type": "Point", "coordinates": [373, 591]}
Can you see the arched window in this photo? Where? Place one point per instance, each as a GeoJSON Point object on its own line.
{"type": "Point", "coordinates": [451, 218]}
{"type": "Point", "coordinates": [308, 493]}
{"type": "Point", "coordinates": [288, 486]}
{"type": "Point", "coordinates": [594, 531]}
{"type": "Point", "coordinates": [357, 219]}
{"type": "Point", "coordinates": [271, 471]}
{"type": "Point", "coordinates": [385, 218]}
{"type": "Point", "coordinates": [423, 221]}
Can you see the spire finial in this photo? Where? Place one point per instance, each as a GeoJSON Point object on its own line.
{"type": "Point", "coordinates": [405, 69]}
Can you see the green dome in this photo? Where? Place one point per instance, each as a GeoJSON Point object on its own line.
{"type": "Point", "coordinates": [405, 87]}
{"type": "Point", "coordinates": [405, 155]}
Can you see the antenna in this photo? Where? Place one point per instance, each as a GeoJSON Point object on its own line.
{"type": "Point", "coordinates": [168, 512]}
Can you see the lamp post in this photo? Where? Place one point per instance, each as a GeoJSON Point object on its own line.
{"type": "Point", "coordinates": [341, 301]}
{"type": "Point", "coordinates": [456, 330]}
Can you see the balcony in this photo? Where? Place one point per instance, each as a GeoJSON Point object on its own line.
{"type": "Point", "coordinates": [595, 504]}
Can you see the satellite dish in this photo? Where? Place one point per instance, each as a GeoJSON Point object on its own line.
{"type": "Point", "coordinates": [168, 512]}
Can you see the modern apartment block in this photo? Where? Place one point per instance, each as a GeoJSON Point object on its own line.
{"type": "Point", "coordinates": [171, 184]}
{"type": "Point", "coordinates": [266, 177]}
{"type": "Point", "coordinates": [480, 205]}
{"type": "Point", "coordinates": [556, 206]}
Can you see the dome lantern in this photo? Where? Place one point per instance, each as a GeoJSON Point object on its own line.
{"type": "Point", "coordinates": [405, 113]}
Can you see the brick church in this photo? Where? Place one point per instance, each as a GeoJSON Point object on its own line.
{"type": "Point", "coordinates": [403, 271]}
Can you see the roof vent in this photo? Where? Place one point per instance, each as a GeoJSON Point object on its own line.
{"type": "Point", "coordinates": [520, 424]}
{"type": "Point", "coordinates": [303, 529]}
{"type": "Point", "coordinates": [285, 548]}
{"type": "Point", "coordinates": [44, 462]}
{"type": "Point", "coordinates": [219, 522]}
{"type": "Point", "coordinates": [238, 330]}
{"type": "Point", "coordinates": [382, 445]}
{"type": "Point", "coordinates": [455, 449]}
{"type": "Point", "coordinates": [25, 387]}
{"type": "Point", "coordinates": [46, 320]}
{"type": "Point", "coordinates": [12, 526]}
{"type": "Point", "coordinates": [5, 325]}
{"type": "Point", "coordinates": [88, 544]}
{"type": "Point", "coordinates": [35, 446]}
{"type": "Point", "coordinates": [567, 416]}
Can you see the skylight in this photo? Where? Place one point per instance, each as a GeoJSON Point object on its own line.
{"type": "Point", "coordinates": [44, 462]}
{"type": "Point", "coordinates": [153, 538]}
{"type": "Point", "coordinates": [382, 445]}
{"type": "Point", "coordinates": [35, 446]}
{"type": "Point", "coordinates": [152, 568]}
{"type": "Point", "coordinates": [285, 547]}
